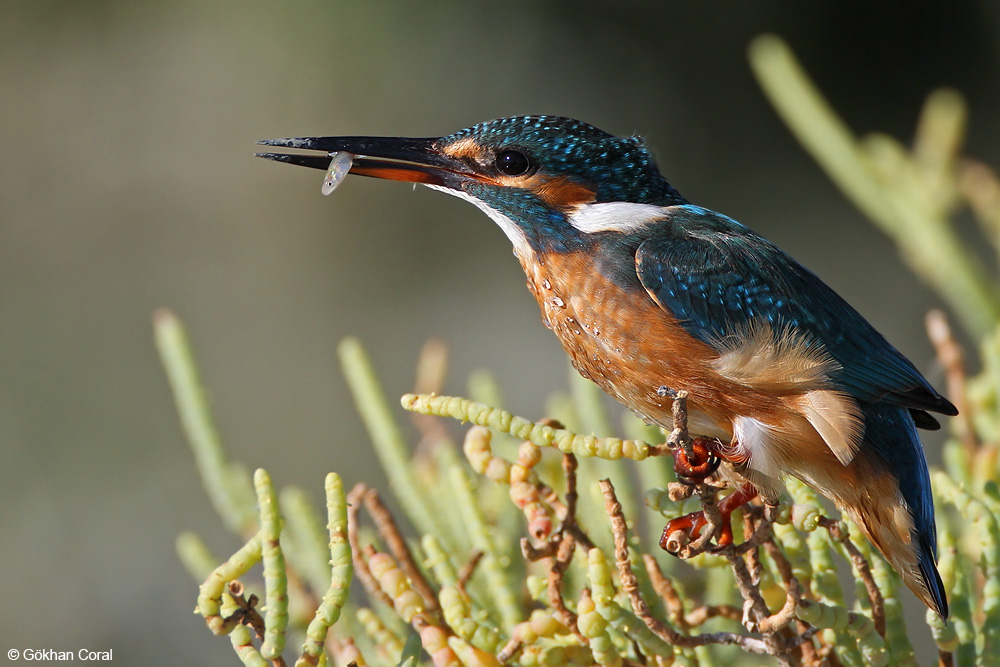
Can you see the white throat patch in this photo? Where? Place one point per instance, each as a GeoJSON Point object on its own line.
{"type": "Point", "coordinates": [509, 227]}
{"type": "Point", "coordinates": [615, 216]}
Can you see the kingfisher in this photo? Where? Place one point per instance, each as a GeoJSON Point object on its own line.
{"type": "Point", "coordinates": [649, 294]}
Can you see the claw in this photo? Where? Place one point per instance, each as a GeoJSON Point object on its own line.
{"type": "Point", "coordinates": [693, 523]}
{"type": "Point", "coordinates": [689, 525]}
{"type": "Point", "coordinates": [704, 463]}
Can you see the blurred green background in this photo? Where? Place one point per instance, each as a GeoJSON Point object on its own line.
{"type": "Point", "coordinates": [127, 183]}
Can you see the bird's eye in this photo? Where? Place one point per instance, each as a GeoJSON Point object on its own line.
{"type": "Point", "coordinates": [513, 163]}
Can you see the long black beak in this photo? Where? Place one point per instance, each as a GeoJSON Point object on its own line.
{"type": "Point", "coordinates": [392, 158]}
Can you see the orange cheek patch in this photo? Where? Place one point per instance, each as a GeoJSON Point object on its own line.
{"type": "Point", "coordinates": [560, 192]}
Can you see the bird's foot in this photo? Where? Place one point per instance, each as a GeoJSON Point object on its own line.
{"type": "Point", "coordinates": [701, 464]}
{"type": "Point", "coordinates": [679, 532]}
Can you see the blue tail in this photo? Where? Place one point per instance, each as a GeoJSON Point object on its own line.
{"type": "Point", "coordinates": [891, 436]}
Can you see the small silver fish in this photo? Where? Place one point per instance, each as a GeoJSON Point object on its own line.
{"type": "Point", "coordinates": [340, 164]}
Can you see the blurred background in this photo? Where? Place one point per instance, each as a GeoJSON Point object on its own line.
{"type": "Point", "coordinates": [127, 183]}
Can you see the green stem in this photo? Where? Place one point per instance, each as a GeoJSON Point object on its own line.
{"type": "Point", "coordinates": [228, 486]}
{"type": "Point", "coordinates": [877, 178]}
{"type": "Point", "coordinates": [390, 446]}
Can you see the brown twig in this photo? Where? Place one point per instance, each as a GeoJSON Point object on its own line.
{"type": "Point", "coordinates": [247, 614]}
{"type": "Point", "coordinates": [560, 547]}
{"type": "Point", "coordinates": [389, 531]}
{"type": "Point", "coordinates": [864, 570]}
{"type": "Point", "coordinates": [803, 630]}
{"type": "Point", "coordinates": [509, 650]}
{"type": "Point", "coordinates": [981, 188]}
{"type": "Point", "coordinates": [750, 555]}
{"type": "Point", "coordinates": [581, 538]}
{"type": "Point", "coordinates": [569, 465]}
{"type": "Point", "coordinates": [432, 366]}
{"type": "Point", "coordinates": [756, 617]}
{"type": "Point", "coordinates": [784, 616]}
{"type": "Point", "coordinates": [630, 585]}
{"type": "Point", "coordinates": [746, 567]}
{"type": "Point", "coordinates": [664, 587]}
{"type": "Point", "coordinates": [762, 532]}
{"type": "Point", "coordinates": [679, 435]}
{"type": "Point", "coordinates": [532, 553]}
{"type": "Point", "coordinates": [465, 574]}
{"type": "Point", "coordinates": [709, 496]}
{"type": "Point", "coordinates": [810, 656]}
{"type": "Point", "coordinates": [781, 563]}
{"type": "Point", "coordinates": [567, 510]}
{"type": "Point", "coordinates": [557, 568]}
{"type": "Point", "coordinates": [678, 491]}
{"type": "Point", "coordinates": [699, 615]}
{"type": "Point", "coordinates": [247, 609]}
{"type": "Point", "coordinates": [949, 354]}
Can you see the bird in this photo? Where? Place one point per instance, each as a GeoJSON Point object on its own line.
{"type": "Point", "coordinates": [649, 294]}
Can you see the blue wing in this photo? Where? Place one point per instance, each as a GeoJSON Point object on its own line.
{"type": "Point", "coordinates": [717, 277]}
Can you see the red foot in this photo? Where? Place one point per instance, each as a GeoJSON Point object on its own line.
{"type": "Point", "coordinates": [693, 523]}
{"type": "Point", "coordinates": [704, 463]}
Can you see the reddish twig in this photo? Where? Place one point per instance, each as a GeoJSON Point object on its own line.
{"type": "Point", "coordinates": [359, 555]}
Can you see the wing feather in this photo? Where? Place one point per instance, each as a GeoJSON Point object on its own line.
{"type": "Point", "coordinates": [721, 280]}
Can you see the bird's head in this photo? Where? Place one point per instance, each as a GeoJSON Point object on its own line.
{"type": "Point", "coordinates": [549, 182]}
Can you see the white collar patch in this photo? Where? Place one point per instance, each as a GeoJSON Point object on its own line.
{"type": "Point", "coordinates": [615, 216]}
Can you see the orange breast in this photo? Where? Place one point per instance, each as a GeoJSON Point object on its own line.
{"type": "Point", "coordinates": [627, 344]}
